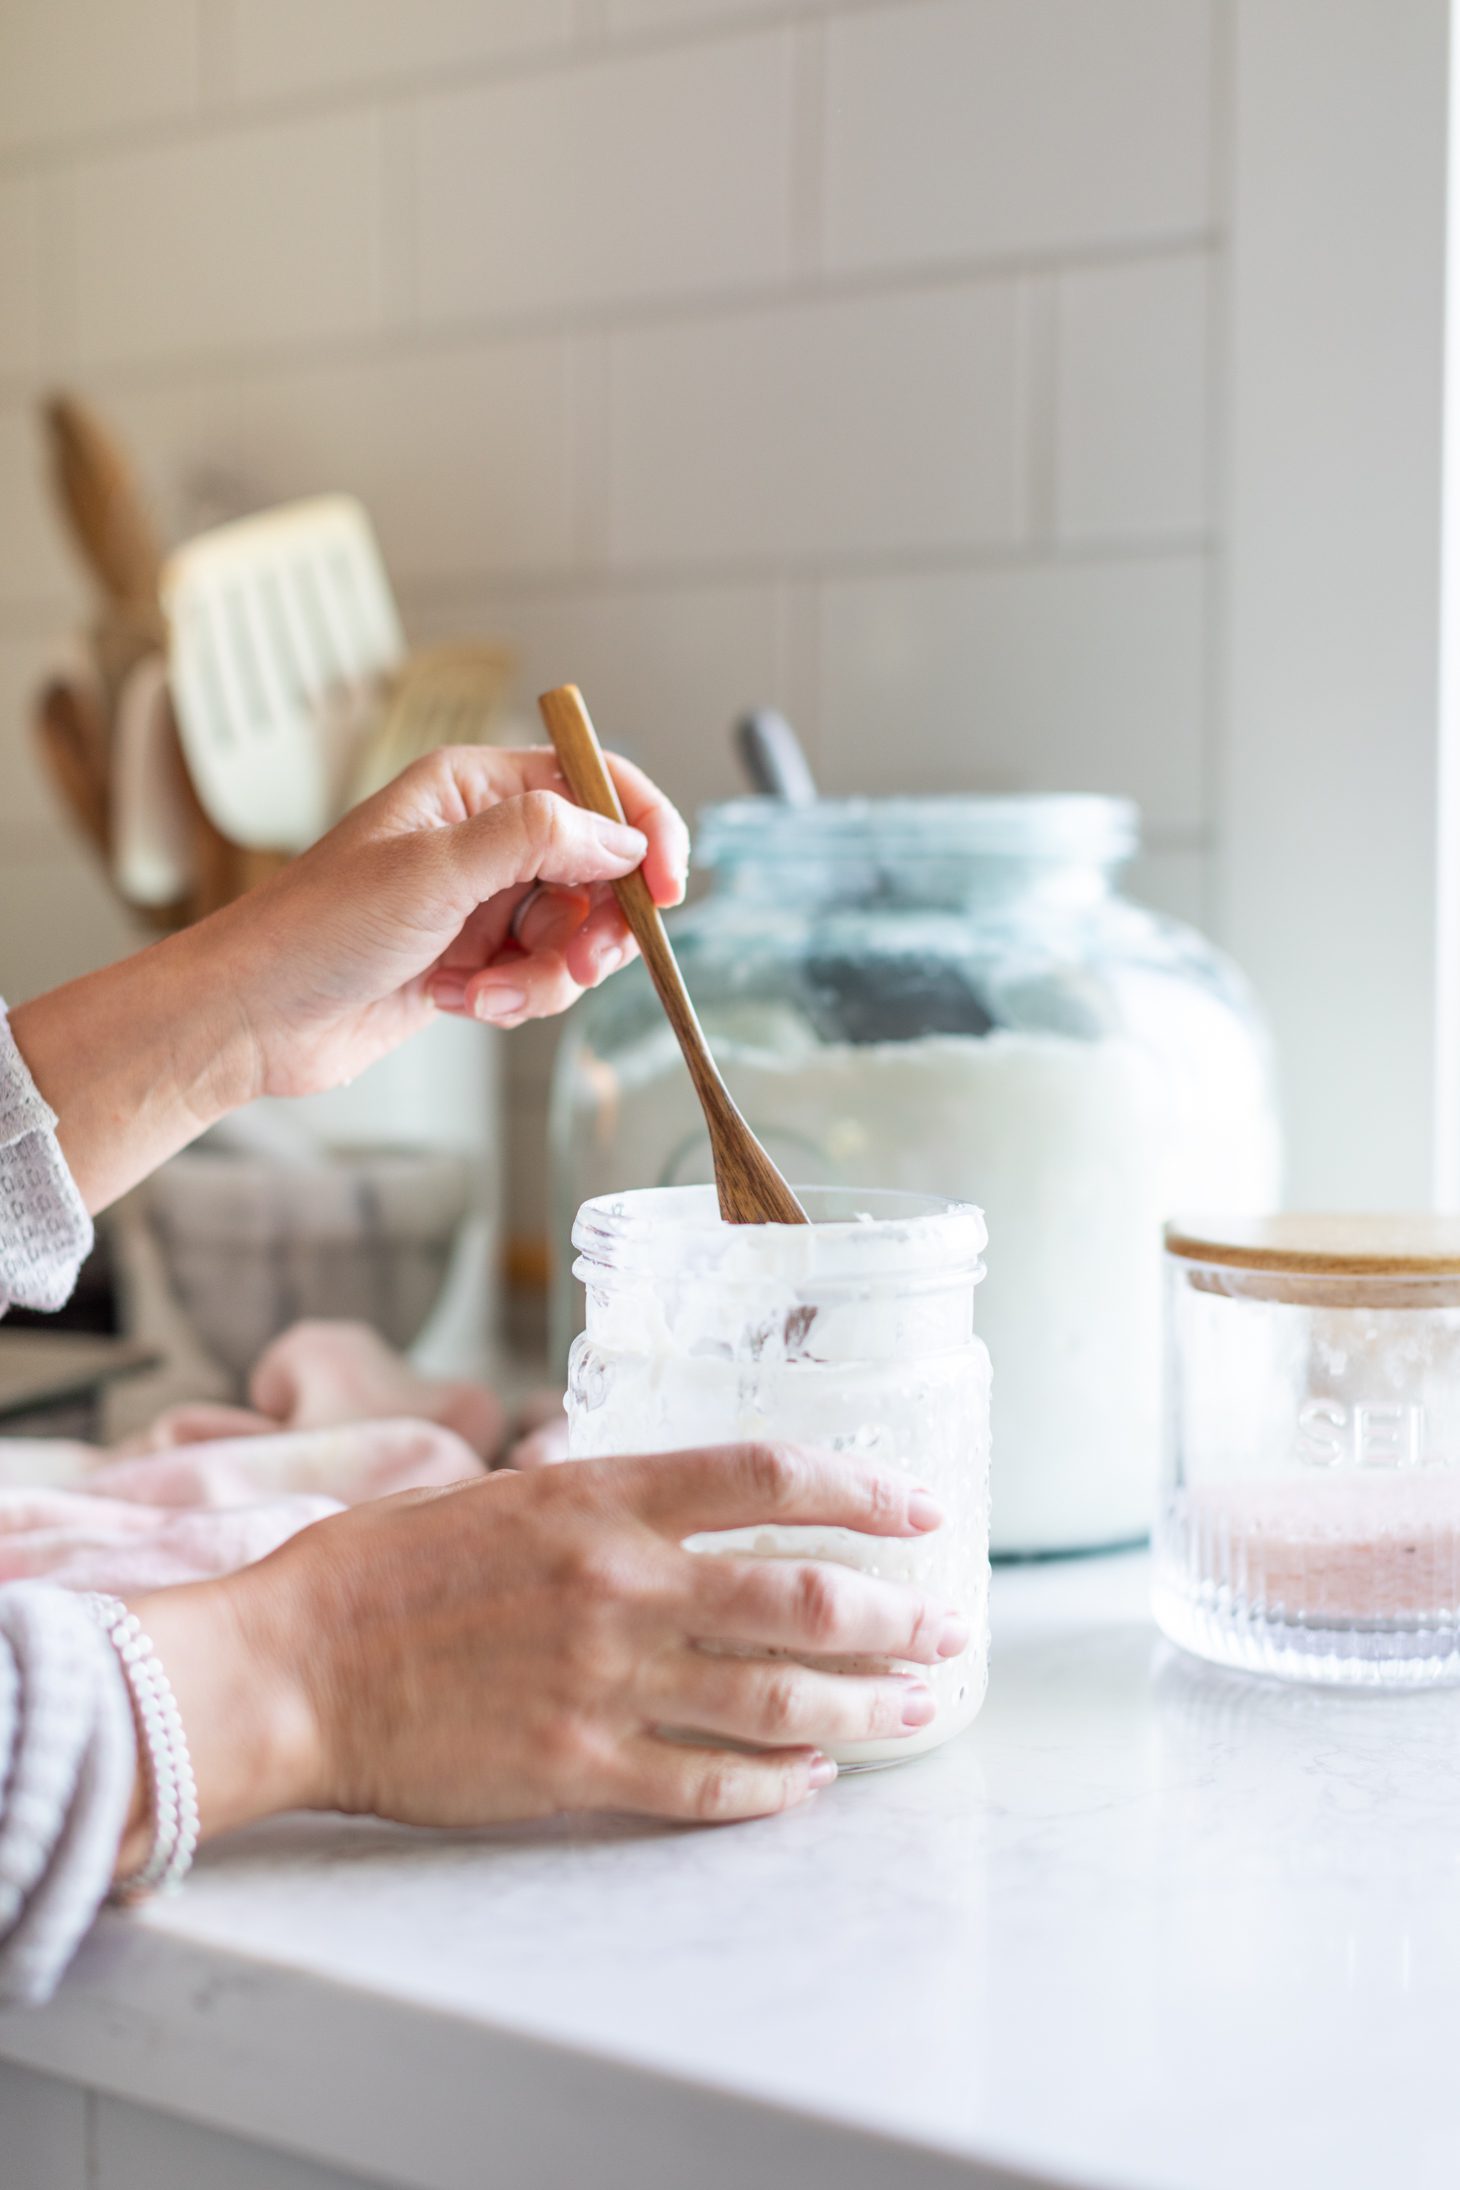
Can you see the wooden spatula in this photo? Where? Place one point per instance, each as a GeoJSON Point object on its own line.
{"type": "Point", "coordinates": [750, 1188]}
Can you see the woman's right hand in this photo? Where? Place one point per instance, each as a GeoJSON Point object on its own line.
{"type": "Point", "coordinates": [516, 1646]}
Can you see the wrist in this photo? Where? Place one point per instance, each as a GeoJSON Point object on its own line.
{"type": "Point", "coordinates": [249, 1723]}
{"type": "Point", "coordinates": [138, 1059]}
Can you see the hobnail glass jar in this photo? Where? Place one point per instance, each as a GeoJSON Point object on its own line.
{"type": "Point", "coordinates": [853, 1332]}
{"type": "Point", "coordinates": [1309, 1522]}
{"type": "Point", "coordinates": [950, 996]}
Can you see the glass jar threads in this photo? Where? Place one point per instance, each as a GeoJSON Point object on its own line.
{"type": "Point", "coordinates": [1309, 1522]}
{"type": "Point", "coordinates": [951, 996]}
{"type": "Point", "coordinates": [854, 1332]}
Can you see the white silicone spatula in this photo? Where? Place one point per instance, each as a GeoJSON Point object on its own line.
{"type": "Point", "coordinates": [265, 618]}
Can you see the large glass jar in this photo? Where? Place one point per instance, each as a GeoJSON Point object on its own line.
{"type": "Point", "coordinates": [949, 996]}
{"type": "Point", "coordinates": [853, 1332]}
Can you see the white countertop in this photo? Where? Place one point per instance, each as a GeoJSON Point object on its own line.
{"type": "Point", "coordinates": [1144, 1925]}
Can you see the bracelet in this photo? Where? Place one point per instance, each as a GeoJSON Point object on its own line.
{"type": "Point", "coordinates": [164, 1749]}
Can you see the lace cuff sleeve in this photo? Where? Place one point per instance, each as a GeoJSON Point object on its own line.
{"type": "Point", "coordinates": [45, 1232]}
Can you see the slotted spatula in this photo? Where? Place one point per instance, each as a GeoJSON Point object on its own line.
{"type": "Point", "coordinates": [265, 618]}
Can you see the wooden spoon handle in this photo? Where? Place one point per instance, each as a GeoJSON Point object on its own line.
{"type": "Point", "coordinates": [580, 756]}
{"type": "Point", "coordinates": [750, 1189]}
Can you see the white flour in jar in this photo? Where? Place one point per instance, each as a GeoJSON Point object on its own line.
{"type": "Point", "coordinates": [1077, 1153]}
{"type": "Point", "coordinates": [803, 1335]}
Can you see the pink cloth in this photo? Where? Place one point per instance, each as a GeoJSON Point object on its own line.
{"type": "Point", "coordinates": [209, 1489]}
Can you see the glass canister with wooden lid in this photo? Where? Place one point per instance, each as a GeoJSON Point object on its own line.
{"type": "Point", "coordinates": [1309, 1522]}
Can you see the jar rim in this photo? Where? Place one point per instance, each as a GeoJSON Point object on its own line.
{"type": "Point", "coordinates": [1324, 1244]}
{"type": "Point", "coordinates": [854, 1233]}
{"type": "Point", "coordinates": [1059, 826]}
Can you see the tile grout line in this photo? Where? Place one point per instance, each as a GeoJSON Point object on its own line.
{"type": "Point", "coordinates": [576, 48]}
{"type": "Point", "coordinates": [633, 315]}
{"type": "Point", "coordinates": [37, 616]}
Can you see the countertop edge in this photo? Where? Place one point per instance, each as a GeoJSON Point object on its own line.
{"type": "Point", "coordinates": [283, 2057]}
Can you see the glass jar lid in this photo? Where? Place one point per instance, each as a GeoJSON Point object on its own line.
{"type": "Point", "coordinates": [1351, 1259]}
{"type": "Point", "coordinates": [1074, 827]}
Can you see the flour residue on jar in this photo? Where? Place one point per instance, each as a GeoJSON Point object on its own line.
{"type": "Point", "coordinates": [857, 1336]}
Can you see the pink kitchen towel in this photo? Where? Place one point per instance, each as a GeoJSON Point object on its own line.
{"type": "Point", "coordinates": [337, 1418]}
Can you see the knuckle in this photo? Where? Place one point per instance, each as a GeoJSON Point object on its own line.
{"type": "Point", "coordinates": [542, 814]}
{"type": "Point", "coordinates": [774, 1473]}
{"type": "Point", "coordinates": [925, 1629]}
{"type": "Point", "coordinates": [780, 1706]}
{"type": "Point", "coordinates": [719, 1793]}
{"type": "Point", "coordinates": [884, 1499]}
{"type": "Point", "coordinates": [818, 1603]}
{"type": "Point", "coordinates": [593, 1574]}
{"type": "Point", "coordinates": [569, 1750]}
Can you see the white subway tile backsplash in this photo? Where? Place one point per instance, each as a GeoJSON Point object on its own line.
{"type": "Point", "coordinates": [665, 670]}
{"type": "Point", "coordinates": [959, 128]}
{"type": "Point", "coordinates": [462, 457]}
{"type": "Point", "coordinates": [72, 67]}
{"type": "Point", "coordinates": [839, 427]}
{"type": "Point", "coordinates": [248, 240]}
{"type": "Point", "coordinates": [632, 15]}
{"type": "Point", "coordinates": [283, 47]}
{"type": "Point", "coordinates": [20, 275]}
{"type": "Point", "coordinates": [1131, 402]}
{"type": "Point", "coordinates": [1075, 677]}
{"type": "Point", "coordinates": [650, 175]}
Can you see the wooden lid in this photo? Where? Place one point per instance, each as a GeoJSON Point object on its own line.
{"type": "Point", "coordinates": [1418, 1244]}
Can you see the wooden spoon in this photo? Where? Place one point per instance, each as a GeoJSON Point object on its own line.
{"type": "Point", "coordinates": [750, 1188]}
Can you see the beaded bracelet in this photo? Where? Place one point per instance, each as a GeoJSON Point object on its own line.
{"type": "Point", "coordinates": [164, 1750]}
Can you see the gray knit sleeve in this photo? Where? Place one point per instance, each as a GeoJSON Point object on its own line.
{"type": "Point", "coordinates": [45, 1232]}
{"type": "Point", "coordinates": [68, 1761]}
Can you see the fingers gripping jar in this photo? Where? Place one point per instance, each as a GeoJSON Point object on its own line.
{"type": "Point", "coordinates": [854, 1333]}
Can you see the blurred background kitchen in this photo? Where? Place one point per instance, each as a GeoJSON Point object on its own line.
{"type": "Point", "coordinates": [1036, 395]}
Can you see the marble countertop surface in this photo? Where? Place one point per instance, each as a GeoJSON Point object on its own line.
{"type": "Point", "coordinates": [1145, 1927]}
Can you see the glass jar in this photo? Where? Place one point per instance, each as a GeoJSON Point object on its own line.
{"type": "Point", "coordinates": [1310, 1516]}
{"type": "Point", "coordinates": [950, 996]}
{"type": "Point", "coordinates": [853, 1332]}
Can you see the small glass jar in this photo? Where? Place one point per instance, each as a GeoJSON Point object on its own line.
{"type": "Point", "coordinates": [1309, 1523]}
{"type": "Point", "coordinates": [854, 1332]}
{"type": "Point", "coordinates": [951, 996]}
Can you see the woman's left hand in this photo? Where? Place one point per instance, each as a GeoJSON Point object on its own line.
{"type": "Point", "coordinates": [471, 885]}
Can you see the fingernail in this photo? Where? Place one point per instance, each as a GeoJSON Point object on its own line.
{"type": "Point", "coordinates": [449, 991]}
{"type": "Point", "coordinates": [618, 837]}
{"type": "Point", "coordinates": [822, 1772]}
{"type": "Point", "coordinates": [924, 1511]}
{"type": "Point", "coordinates": [497, 1003]}
{"type": "Point", "coordinates": [919, 1706]}
{"type": "Point", "coordinates": [610, 957]}
{"type": "Point", "coordinates": [956, 1636]}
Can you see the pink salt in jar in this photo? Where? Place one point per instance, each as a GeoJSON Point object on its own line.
{"type": "Point", "coordinates": [1309, 1520]}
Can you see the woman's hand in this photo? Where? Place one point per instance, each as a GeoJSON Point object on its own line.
{"type": "Point", "coordinates": [472, 884]}
{"type": "Point", "coordinates": [518, 1646]}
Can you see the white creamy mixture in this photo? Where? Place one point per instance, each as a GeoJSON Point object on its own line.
{"type": "Point", "coordinates": [1077, 1153]}
{"type": "Point", "coordinates": [703, 1355]}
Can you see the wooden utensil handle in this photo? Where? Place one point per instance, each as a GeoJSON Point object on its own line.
{"type": "Point", "coordinates": [750, 1188]}
{"type": "Point", "coordinates": [575, 741]}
